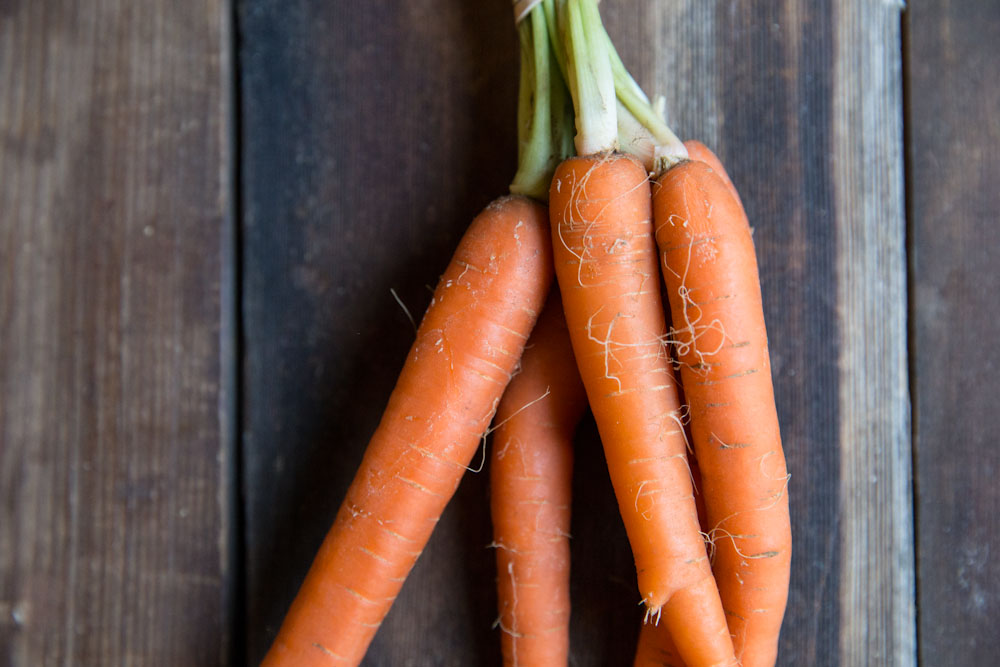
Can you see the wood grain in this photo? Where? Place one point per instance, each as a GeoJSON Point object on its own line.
{"type": "Point", "coordinates": [114, 459]}
{"type": "Point", "coordinates": [755, 80]}
{"type": "Point", "coordinates": [954, 52]}
{"type": "Point", "coordinates": [803, 103]}
{"type": "Point", "coordinates": [878, 622]}
{"type": "Point", "coordinates": [372, 134]}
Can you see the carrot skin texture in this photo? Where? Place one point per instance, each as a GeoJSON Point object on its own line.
{"type": "Point", "coordinates": [702, 153]}
{"type": "Point", "coordinates": [656, 648]}
{"type": "Point", "coordinates": [710, 270]}
{"type": "Point", "coordinates": [607, 269]}
{"type": "Point", "coordinates": [531, 483]}
{"type": "Point", "coordinates": [699, 493]}
{"type": "Point", "coordinates": [466, 349]}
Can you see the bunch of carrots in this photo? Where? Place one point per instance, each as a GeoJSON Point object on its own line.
{"type": "Point", "coordinates": [683, 400]}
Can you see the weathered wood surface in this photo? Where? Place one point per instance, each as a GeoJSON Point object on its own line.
{"type": "Point", "coordinates": [785, 92]}
{"type": "Point", "coordinates": [114, 461]}
{"type": "Point", "coordinates": [803, 100]}
{"type": "Point", "coordinates": [371, 137]}
{"type": "Point", "coordinates": [954, 144]}
{"type": "Point", "coordinates": [371, 134]}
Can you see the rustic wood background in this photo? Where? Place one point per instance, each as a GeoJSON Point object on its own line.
{"type": "Point", "coordinates": [204, 205]}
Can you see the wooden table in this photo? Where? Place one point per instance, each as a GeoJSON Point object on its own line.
{"type": "Point", "coordinates": [204, 209]}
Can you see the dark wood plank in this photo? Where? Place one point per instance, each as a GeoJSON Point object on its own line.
{"type": "Point", "coordinates": [799, 99]}
{"type": "Point", "coordinates": [878, 622]}
{"type": "Point", "coordinates": [373, 132]}
{"type": "Point", "coordinates": [114, 462]}
{"type": "Point", "coordinates": [756, 82]}
{"type": "Point", "coordinates": [954, 52]}
{"type": "Point", "coordinates": [366, 184]}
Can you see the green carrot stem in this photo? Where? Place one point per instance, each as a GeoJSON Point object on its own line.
{"type": "Point", "coordinates": [591, 81]}
{"type": "Point", "coordinates": [542, 102]}
{"type": "Point", "coordinates": [645, 123]}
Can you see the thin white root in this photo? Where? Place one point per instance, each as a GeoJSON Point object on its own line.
{"type": "Point", "coordinates": [487, 419]}
{"type": "Point", "coordinates": [685, 339]}
{"type": "Point", "coordinates": [405, 309]}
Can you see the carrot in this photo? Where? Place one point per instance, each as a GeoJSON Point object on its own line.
{"type": "Point", "coordinates": [699, 151]}
{"type": "Point", "coordinates": [714, 293]}
{"type": "Point", "coordinates": [656, 648]}
{"type": "Point", "coordinates": [531, 483]}
{"type": "Point", "coordinates": [466, 349]}
{"type": "Point", "coordinates": [710, 271]}
{"type": "Point", "coordinates": [606, 266]}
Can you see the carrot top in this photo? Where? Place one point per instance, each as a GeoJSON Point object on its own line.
{"type": "Point", "coordinates": [591, 82]}
{"type": "Point", "coordinates": [612, 110]}
{"type": "Point", "coordinates": [642, 130]}
{"type": "Point", "coordinates": [544, 109]}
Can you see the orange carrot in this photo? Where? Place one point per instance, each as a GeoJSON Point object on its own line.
{"type": "Point", "coordinates": [656, 648]}
{"type": "Point", "coordinates": [530, 493]}
{"type": "Point", "coordinates": [699, 151]}
{"type": "Point", "coordinates": [699, 493]}
{"type": "Point", "coordinates": [466, 350]}
{"type": "Point", "coordinates": [606, 265]}
{"type": "Point", "coordinates": [718, 334]}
